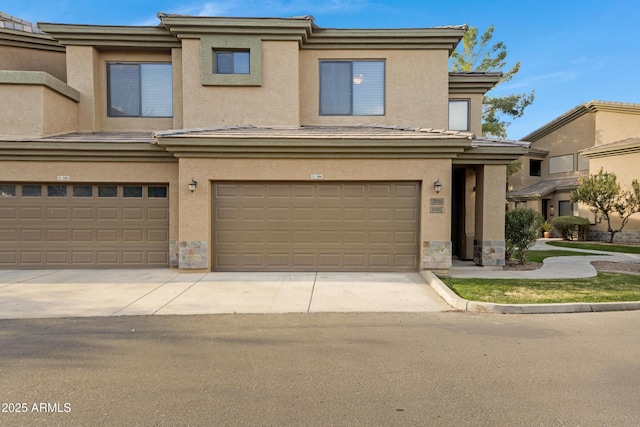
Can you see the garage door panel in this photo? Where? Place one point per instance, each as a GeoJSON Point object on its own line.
{"type": "Point", "coordinates": [8, 236]}
{"type": "Point", "coordinates": [82, 258]}
{"type": "Point", "coordinates": [57, 258]}
{"type": "Point", "coordinates": [31, 258]}
{"type": "Point", "coordinates": [31, 235]}
{"type": "Point", "coordinates": [133, 213]}
{"type": "Point", "coordinates": [8, 258]}
{"type": "Point", "coordinates": [82, 235]}
{"type": "Point", "coordinates": [85, 229]}
{"type": "Point", "coordinates": [8, 212]}
{"type": "Point", "coordinates": [158, 214]}
{"type": "Point", "coordinates": [31, 213]}
{"type": "Point", "coordinates": [82, 214]}
{"type": "Point", "coordinates": [319, 226]}
{"type": "Point", "coordinates": [57, 235]}
{"type": "Point", "coordinates": [107, 214]}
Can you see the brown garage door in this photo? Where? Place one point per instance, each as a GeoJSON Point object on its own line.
{"type": "Point", "coordinates": [83, 226]}
{"type": "Point", "coordinates": [327, 226]}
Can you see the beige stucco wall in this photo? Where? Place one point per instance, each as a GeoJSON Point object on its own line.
{"type": "Point", "coordinates": [490, 202]}
{"type": "Point", "coordinates": [274, 103]}
{"type": "Point", "coordinates": [569, 139]}
{"type": "Point", "coordinates": [99, 172]}
{"type": "Point", "coordinates": [22, 59]}
{"type": "Point", "coordinates": [410, 98]}
{"type": "Point", "coordinates": [614, 127]}
{"type": "Point", "coordinates": [35, 111]}
{"type": "Point", "coordinates": [82, 69]}
{"type": "Point", "coordinates": [197, 227]}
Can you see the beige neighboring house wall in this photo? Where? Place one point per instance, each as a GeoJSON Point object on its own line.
{"type": "Point", "coordinates": [259, 127]}
{"type": "Point", "coordinates": [589, 137]}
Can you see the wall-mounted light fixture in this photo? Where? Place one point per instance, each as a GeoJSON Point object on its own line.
{"type": "Point", "coordinates": [192, 185]}
{"type": "Point", "coordinates": [437, 185]}
{"type": "Point", "coordinates": [551, 208]}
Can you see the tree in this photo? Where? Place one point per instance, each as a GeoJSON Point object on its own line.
{"type": "Point", "coordinates": [477, 54]}
{"type": "Point", "coordinates": [522, 227]}
{"type": "Point", "coordinates": [603, 195]}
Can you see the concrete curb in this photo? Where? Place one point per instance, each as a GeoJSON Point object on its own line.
{"type": "Point", "coordinates": [462, 304]}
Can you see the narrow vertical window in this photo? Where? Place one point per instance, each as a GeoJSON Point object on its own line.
{"type": "Point", "coordinates": [459, 114]}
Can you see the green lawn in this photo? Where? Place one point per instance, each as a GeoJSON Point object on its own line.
{"type": "Point", "coordinates": [606, 287]}
{"type": "Point", "coordinates": [538, 256]}
{"type": "Point", "coordinates": [597, 247]}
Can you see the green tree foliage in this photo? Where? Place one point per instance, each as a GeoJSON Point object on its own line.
{"type": "Point", "coordinates": [521, 232]}
{"type": "Point", "coordinates": [604, 196]}
{"type": "Point", "coordinates": [476, 53]}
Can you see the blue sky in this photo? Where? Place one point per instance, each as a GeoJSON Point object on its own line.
{"type": "Point", "coordinates": [571, 51]}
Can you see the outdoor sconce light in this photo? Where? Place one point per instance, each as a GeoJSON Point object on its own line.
{"type": "Point", "coordinates": [551, 208]}
{"type": "Point", "coordinates": [192, 185]}
{"type": "Point", "coordinates": [437, 185]}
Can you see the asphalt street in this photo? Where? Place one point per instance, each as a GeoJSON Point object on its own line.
{"type": "Point", "coordinates": [357, 369]}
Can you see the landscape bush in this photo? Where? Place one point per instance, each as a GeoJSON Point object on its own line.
{"type": "Point", "coordinates": [521, 232]}
{"type": "Point", "coordinates": [572, 227]}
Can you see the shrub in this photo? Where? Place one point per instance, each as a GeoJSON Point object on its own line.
{"type": "Point", "coordinates": [572, 227]}
{"type": "Point", "coordinates": [521, 231]}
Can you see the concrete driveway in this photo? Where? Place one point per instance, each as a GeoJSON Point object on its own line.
{"type": "Point", "coordinates": [80, 293]}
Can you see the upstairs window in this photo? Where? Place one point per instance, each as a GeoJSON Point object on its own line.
{"type": "Point", "coordinates": [352, 88]}
{"type": "Point", "coordinates": [232, 62]}
{"type": "Point", "coordinates": [459, 114]}
{"type": "Point", "coordinates": [535, 167]}
{"type": "Point", "coordinates": [139, 90]}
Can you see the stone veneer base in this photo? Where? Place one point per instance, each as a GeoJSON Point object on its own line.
{"type": "Point", "coordinates": [436, 255]}
{"type": "Point", "coordinates": [194, 254]}
{"type": "Point", "coordinates": [489, 252]}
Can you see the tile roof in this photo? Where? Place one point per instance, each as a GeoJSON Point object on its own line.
{"type": "Point", "coordinates": [365, 131]}
{"type": "Point", "coordinates": [12, 23]}
{"type": "Point", "coordinates": [543, 188]}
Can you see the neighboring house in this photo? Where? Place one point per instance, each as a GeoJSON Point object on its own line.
{"type": "Point", "coordinates": [591, 136]}
{"type": "Point", "coordinates": [245, 144]}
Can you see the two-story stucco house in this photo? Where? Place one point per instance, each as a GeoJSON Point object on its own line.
{"type": "Point", "coordinates": [232, 144]}
{"type": "Point", "coordinates": [580, 142]}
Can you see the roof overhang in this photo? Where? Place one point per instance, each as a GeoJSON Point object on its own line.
{"type": "Point", "coordinates": [473, 82]}
{"type": "Point", "coordinates": [29, 40]}
{"type": "Point", "coordinates": [579, 111]}
{"type": "Point", "coordinates": [174, 28]}
{"type": "Point", "coordinates": [111, 37]}
{"type": "Point", "coordinates": [619, 148]}
{"type": "Point", "coordinates": [364, 141]}
{"type": "Point", "coordinates": [86, 147]}
{"type": "Point", "coordinates": [543, 188]}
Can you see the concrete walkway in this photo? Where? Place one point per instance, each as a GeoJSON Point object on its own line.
{"type": "Point", "coordinates": [81, 293]}
{"type": "Point", "coordinates": [564, 267]}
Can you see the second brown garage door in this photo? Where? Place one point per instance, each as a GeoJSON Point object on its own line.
{"type": "Point", "coordinates": [325, 226]}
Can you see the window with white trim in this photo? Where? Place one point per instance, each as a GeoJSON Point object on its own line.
{"type": "Point", "coordinates": [139, 90]}
{"type": "Point", "coordinates": [352, 88]}
{"type": "Point", "coordinates": [459, 114]}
